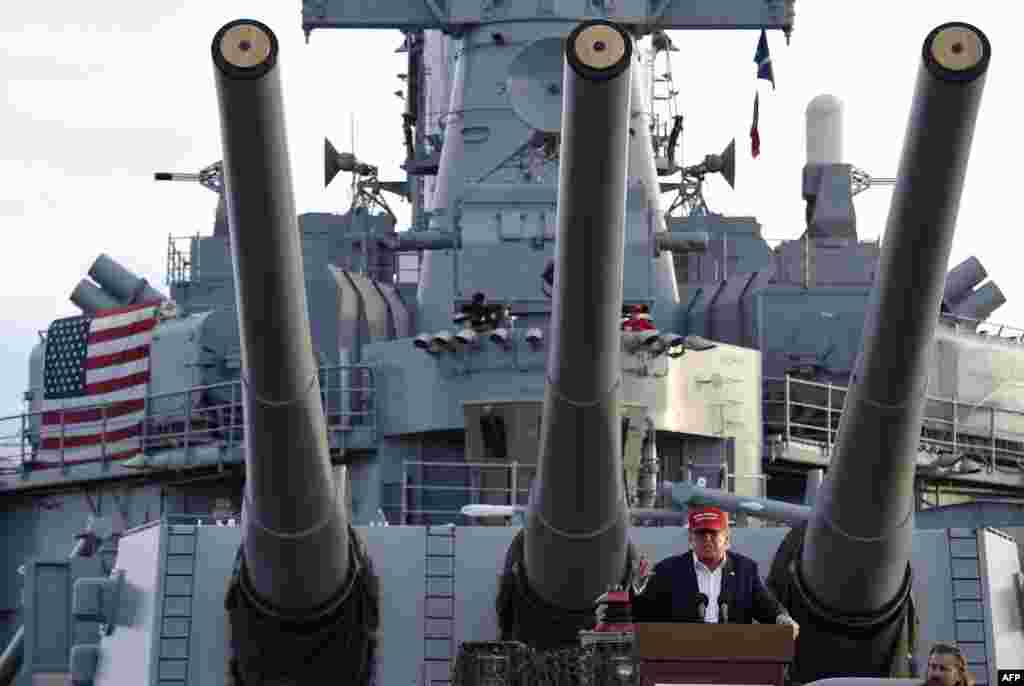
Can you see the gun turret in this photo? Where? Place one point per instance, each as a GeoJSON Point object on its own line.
{"type": "Point", "coordinates": [301, 579]}
{"type": "Point", "coordinates": [849, 581]}
{"type": "Point", "coordinates": [574, 545]}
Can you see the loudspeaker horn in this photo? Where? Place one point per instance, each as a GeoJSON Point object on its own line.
{"type": "Point", "coordinates": [332, 162]}
{"type": "Point", "coordinates": [729, 163]}
{"type": "Point", "coordinates": [724, 164]}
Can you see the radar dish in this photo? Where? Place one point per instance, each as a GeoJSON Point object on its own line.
{"type": "Point", "coordinates": [535, 84]}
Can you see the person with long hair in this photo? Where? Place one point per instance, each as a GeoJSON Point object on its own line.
{"type": "Point", "coordinates": [947, 666]}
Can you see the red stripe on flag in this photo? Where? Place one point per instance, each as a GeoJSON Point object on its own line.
{"type": "Point", "coordinates": [69, 442]}
{"type": "Point", "coordinates": [122, 331]}
{"type": "Point", "coordinates": [94, 414]}
{"type": "Point", "coordinates": [114, 311]}
{"type": "Point", "coordinates": [130, 355]}
{"type": "Point", "coordinates": [112, 385]}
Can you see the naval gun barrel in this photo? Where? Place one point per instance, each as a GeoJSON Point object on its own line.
{"type": "Point", "coordinates": [295, 545]}
{"type": "Point", "coordinates": [575, 542]}
{"type": "Point", "coordinates": [853, 573]}
{"type": "Point", "coordinates": [303, 598]}
{"type": "Point", "coordinates": [877, 442]}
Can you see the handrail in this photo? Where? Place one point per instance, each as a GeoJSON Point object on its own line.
{"type": "Point", "coordinates": [208, 414]}
{"type": "Point", "coordinates": [514, 494]}
{"type": "Point", "coordinates": [411, 509]}
{"type": "Point", "coordinates": [971, 427]}
{"type": "Point", "coordinates": [183, 267]}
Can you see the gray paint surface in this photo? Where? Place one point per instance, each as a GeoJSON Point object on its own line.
{"type": "Point", "coordinates": [208, 641]}
{"type": "Point", "coordinates": [398, 555]}
{"type": "Point", "coordinates": [506, 228]}
{"type": "Point", "coordinates": [127, 655]}
{"type": "Point", "coordinates": [1004, 600]}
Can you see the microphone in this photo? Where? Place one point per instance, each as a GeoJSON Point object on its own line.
{"type": "Point", "coordinates": [723, 613]}
{"type": "Point", "coordinates": [702, 606]}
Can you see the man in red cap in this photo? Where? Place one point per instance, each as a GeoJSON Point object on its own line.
{"type": "Point", "coordinates": [709, 583]}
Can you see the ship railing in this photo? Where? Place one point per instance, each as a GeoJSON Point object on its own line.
{"type": "Point", "coordinates": [434, 492]}
{"type": "Point", "coordinates": [180, 268]}
{"type": "Point", "coordinates": [803, 411]}
{"type": "Point", "coordinates": [985, 327]}
{"type": "Point", "coordinates": [201, 416]}
{"type": "Point", "coordinates": [183, 262]}
{"type": "Point", "coordinates": [225, 519]}
{"type": "Point", "coordinates": [747, 485]}
{"type": "Point", "coordinates": [774, 242]}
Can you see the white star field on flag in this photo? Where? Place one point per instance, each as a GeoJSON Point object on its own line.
{"type": "Point", "coordinates": [67, 344]}
{"type": "Point", "coordinates": [95, 383]}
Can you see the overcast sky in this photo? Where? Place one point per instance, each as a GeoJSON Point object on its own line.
{"type": "Point", "coordinates": [101, 95]}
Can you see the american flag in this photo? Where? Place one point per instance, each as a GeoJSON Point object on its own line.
{"type": "Point", "coordinates": [95, 377]}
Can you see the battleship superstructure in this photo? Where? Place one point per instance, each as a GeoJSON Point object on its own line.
{"type": "Point", "coordinates": [744, 378]}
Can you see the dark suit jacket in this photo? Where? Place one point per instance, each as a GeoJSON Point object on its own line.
{"type": "Point", "coordinates": [671, 592]}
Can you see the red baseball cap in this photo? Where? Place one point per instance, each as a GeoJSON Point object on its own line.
{"type": "Point", "coordinates": [708, 518]}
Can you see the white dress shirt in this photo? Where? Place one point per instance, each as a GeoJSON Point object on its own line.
{"type": "Point", "coordinates": [710, 584]}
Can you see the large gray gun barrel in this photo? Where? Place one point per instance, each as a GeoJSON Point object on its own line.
{"type": "Point", "coordinates": [575, 542]}
{"type": "Point", "coordinates": [853, 579]}
{"type": "Point", "coordinates": [296, 553]}
{"type": "Point", "coordinates": [295, 532]}
{"type": "Point", "coordinates": [296, 564]}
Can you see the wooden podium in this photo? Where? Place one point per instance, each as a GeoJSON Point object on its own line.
{"type": "Point", "coordinates": [734, 654]}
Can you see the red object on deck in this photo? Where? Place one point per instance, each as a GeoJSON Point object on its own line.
{"type": "Point", "coordinates": [619, 598]}
{"type": "Point", "coordinates": [638, 323]}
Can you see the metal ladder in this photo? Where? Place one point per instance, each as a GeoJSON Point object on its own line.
{"type": "Point", "coordinates": [439, 605]}
{"type": "Point", "coordinates": [177, 585]}
{"type": "Point", "coordinates": [969, 602]}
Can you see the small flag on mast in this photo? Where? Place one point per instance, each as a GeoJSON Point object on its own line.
{"type": "Point", "coordinates": [755, 137]}
{"type": "Point", "coordinates": [763, 60]}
